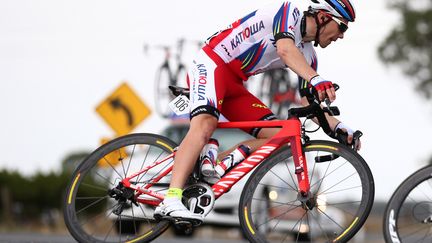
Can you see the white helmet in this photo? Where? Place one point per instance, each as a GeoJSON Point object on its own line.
{"type": "Point", "coordinates": [338, 8]}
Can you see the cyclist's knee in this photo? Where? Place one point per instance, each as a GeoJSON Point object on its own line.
{"type": "Point", "coordinates": [267, 132]}
{"type": "Point", "coordinates": [203, 126]}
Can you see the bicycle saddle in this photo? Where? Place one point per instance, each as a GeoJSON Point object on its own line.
{"type": "Point", "coordinates": [176, 91]}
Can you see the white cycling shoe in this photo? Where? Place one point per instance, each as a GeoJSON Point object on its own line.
{"type": "Point", "coordinates": [177, 212]}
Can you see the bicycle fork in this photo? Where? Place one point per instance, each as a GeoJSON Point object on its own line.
{"type": "Point", "coordinates": [300, 164]}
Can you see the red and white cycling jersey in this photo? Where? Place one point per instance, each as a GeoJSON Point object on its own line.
{"type": "Point", "coordinates": [245, 48]}
{"type": "Point", "coordinates": [248, 44]}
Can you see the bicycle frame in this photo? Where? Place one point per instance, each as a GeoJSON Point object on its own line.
{"type": "Point", "coordinates": [290, 132]}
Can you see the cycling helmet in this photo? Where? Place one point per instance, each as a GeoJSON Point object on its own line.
{"type": "Point", "coordinates": [338, 8]}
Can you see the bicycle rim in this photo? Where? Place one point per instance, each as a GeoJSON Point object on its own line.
{"type": "Point", "coordinates": [408, 216]}
{"type": "Point", "coordinates": [90, 210]}
{"type": "Point", "coordinates": [342, 193]}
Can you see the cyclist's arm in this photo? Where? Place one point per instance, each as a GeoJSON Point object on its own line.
{"type": "Point", "coordinates": [294, 59]}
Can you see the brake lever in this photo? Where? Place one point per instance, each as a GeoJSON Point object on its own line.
{"type": "Point", "coordinates": [342, 137]}
{"type": "Point", "coordinates": [356, 139]}
{"type": "Point", "coordinates": [328, 104]}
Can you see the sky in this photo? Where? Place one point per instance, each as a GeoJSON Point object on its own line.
{"type": "Point", "coordinates": [60, 59]}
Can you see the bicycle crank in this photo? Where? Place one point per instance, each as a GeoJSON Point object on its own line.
{"type": "Point", "coordinates": [199, 198]}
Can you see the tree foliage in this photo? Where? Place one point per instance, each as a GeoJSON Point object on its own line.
{"type": "Point", "coordinates": [409, 43]}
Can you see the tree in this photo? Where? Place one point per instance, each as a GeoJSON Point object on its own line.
{"type": "Point", "coordinates": [409, 44]}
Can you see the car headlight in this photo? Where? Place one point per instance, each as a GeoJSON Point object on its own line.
{"type": "Point", "coordinates": [273, 195]}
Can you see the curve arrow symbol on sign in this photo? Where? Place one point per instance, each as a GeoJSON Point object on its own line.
{"type": "Point", "coordinates": [116, 104]}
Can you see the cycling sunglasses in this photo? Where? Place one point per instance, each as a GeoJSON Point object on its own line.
{"type": "Point", "coordinates": [342, 26]}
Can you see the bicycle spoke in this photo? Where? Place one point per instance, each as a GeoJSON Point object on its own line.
{"type": "Point", "coordinates": [112, 167]}
{"type": "Point", "coordinates": [320, 226]}
{"type": "Point", "coordinates": [145, 215]}
{"type": "Point", "coordinates": [283, 180]}
{"type": "Point", "coordinates": [104, 178]}
{"type": "Point", "coordinates": [92, 204]}
{"type": "Point", "coordinates": [328, 174]}
{"type": "Point", "coordinates": [95, 187]}
{"type": "Point", "coordinates": [330, 218]}
{"type": "Point", "coordinates": [334, 185]}
{"type": "Point", "coordinates": [291, 176]}
{"type": "Point", "coordinates": [341, 190]}
{"type": "Point", "coordinates": [130, 159]}
{"type": "Point", "coordinates": [277, 187]}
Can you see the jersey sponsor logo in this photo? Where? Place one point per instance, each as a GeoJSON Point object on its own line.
{"type": "Point", "coordinates": [226, 50]}
{"type": "Point", "coordinates": [246, 33]}
{"type": "Point", "coordinates": [199, 111]}
{"type": "Point", "coordinates": [256, 105]}
{"type": "Point", "coordinates": [242, 169]}
{"type": "Point", "coordinates": [202, 81]}
{"type": "Point", "coordinates": [392, 227]}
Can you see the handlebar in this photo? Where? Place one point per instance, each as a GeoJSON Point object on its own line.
{"type": "Point", "coordinates": [314, 109]}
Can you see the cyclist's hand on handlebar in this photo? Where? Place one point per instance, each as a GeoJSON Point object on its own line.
{"type": "Point", "coordinates": [324, 88]}
{"type": "Point", "coordinates": [347, 136]}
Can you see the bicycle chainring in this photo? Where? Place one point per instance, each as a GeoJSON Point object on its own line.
{"type": "Point", "coordinates": [199, 198]}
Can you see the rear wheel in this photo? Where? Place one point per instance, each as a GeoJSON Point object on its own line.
{"type": "Point", "coordinates": [341, 196]}
{"type": "Point", "coordinates": [163, 95]}
{"type": "Point", "coordinates": [408, 216]}
{"type": "Point", "coordinates": [97, 208]}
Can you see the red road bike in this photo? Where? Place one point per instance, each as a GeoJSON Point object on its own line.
{"type": "Point", "coordinates": [297, 189]}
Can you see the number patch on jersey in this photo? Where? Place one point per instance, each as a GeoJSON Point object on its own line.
{"type": "Point", "coordinates": [180, 105]}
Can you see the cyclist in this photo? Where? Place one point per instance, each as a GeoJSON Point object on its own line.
{"type": "Point", "coordinates": [276, 36]}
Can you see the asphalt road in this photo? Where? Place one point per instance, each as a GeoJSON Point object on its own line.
{"type": "Point", "coordinates": [204, 236]}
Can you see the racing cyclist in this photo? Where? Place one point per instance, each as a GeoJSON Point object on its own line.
{"type": "Point", "coordinates": [275, 36]}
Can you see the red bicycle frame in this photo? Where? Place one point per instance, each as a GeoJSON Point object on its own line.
{"type": "Point", "coordinates": [290, 132]}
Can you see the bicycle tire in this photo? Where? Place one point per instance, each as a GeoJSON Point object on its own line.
{"type": "Point", "coordinates": [267, 88]}
{"type": "Point", "coordinates": [163, 95]}
{"type": "Point", "coordinates": [181, 76]}
{"type": "Point", "coordinates": [270, 210]}
{"type": "Point", "coordinates": [89, 209]}
{"type": "Point", "coordinates": [408, 214]}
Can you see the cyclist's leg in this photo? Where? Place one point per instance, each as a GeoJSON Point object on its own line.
{"type": "Point", "coordinates": [241, 105]}
{"type": "Point", "coordinates": [205, 92]}
{"type": "Point", "coordinates": [201, 128]}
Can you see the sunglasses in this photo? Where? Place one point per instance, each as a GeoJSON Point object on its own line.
{"type": "Point", "coordinates": [342, 26]}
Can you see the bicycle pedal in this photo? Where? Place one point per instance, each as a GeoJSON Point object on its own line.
{"type": "Point", "coordinates": [182, 223]}
{"type": "Point", "coordinates": [157, 217]}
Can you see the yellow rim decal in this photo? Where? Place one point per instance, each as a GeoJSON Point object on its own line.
{"type": "Point", "coordinates": [247, 221]}
{"type": "Point", "coordinates": [140, 238]}
{"type": "Point", "coordinates": [73, 188]}
{"type": "Point", "coordinates": [165, 145]}
{"type": "Point", "coordinates": [347, 230]}
{"type": "Point", "coordinates": [322, 146]}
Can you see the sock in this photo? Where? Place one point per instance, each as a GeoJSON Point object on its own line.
{"type": "Point", "coordinates": [173, 194]}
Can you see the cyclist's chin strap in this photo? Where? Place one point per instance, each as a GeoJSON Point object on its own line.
{"type": "Point", "coordinates": [319, 28]}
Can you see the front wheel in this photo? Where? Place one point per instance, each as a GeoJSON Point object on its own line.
{"type": "Point", "coordinates": [98, 208]}
{"type": "Point", "coordinates": [340, 198]}
{"type": "Point", "coordinates": [408, 216]}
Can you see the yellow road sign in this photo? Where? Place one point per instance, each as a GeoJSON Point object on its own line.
{"type": "Point", "coordinates": [123, 110]}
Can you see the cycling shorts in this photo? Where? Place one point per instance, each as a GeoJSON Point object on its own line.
{"type": "Point", "coordinates": [216, 89]}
